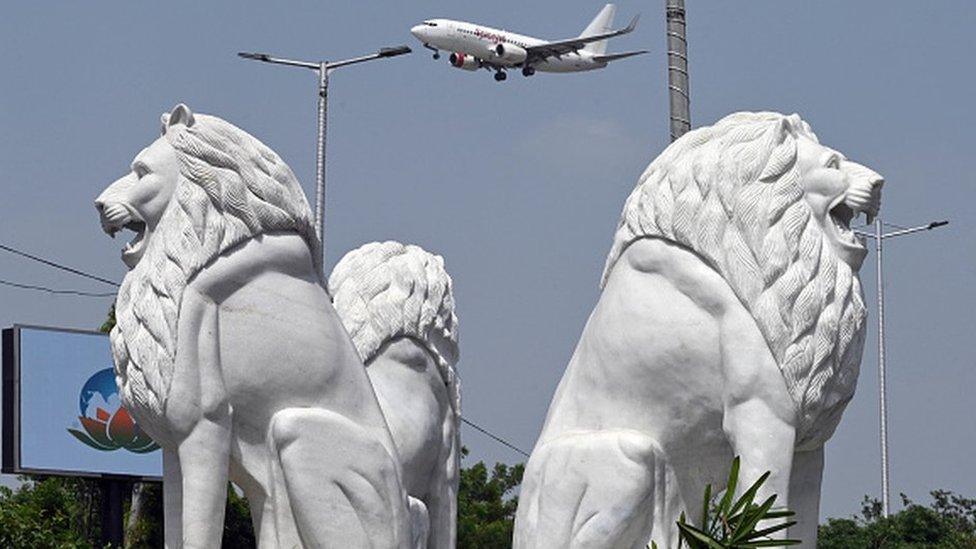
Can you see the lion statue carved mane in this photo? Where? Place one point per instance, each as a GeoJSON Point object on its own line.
{"type": "Point", "coordinates": [397, 303]}
{"type": "Point", "coordinates": [229, 353]}
{"type": "Point", "coordinates": [753, 227]}
{"type": "Point", "coordinates": [731, 322]}
{"type": "Point", "coordinates": [232, 188]}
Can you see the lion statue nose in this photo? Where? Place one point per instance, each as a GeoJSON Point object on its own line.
{"type": "Point", "coordinates": [864, 194]}
{"type": "Point", "coordinates": [113, 216]}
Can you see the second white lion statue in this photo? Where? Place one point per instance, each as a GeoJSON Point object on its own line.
{"type": "Point", "coordinates": [397, 303]}
{"type": "Point", "coordinates": [229, 353]}
{"type": "Point", "coordinates": [731, 322]}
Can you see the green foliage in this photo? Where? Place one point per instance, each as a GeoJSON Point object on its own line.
{"type": "Point", "coordinates": [948, 523]}
{"type": "Point", "coordinates": [486, 505]}
{"type": "Point", "coordinates": [146, 530]}
{"type": "Point", "coordinates": [238, 529]}
{"type": "Point", "coordinates": [109, 323]}
{"type": "Point", "coordinates": [732, 524]}
{"type": "Point", "coordinates": [54, 512]}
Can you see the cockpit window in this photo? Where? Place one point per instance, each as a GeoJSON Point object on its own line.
{"type": "Point", "coordinates": [430, 23]}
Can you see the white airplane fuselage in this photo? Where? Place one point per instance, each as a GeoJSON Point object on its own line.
{"type": "Point", "coordinates": [480, 42]}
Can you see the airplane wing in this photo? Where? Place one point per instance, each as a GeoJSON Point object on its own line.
{"type": "Point", "coordinates": [615, 56]}
{"type": "Point", "coordinates": [562, 47]}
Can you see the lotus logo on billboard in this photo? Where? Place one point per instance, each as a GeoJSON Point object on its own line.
{"type": "Point", "coordinates": [107, 425]}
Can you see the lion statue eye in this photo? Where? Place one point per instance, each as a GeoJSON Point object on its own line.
{"type": "Point", "coordinates": [140, 170]}
{"type": "Point", "coordinates": [833, 162]}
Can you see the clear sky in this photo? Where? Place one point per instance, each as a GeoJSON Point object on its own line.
{"type": "Point", "coordinates": [519, 185]}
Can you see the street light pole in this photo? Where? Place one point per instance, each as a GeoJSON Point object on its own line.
{"type": "Point", "coordinates": [879, 236]}
{"type": "Point", "coordinates": [882, 392]}
{"type": "Point", "coordinates": [324, 68]}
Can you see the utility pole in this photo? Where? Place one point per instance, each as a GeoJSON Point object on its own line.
{"type": "Point", "coordinates": [323, 68]}
{"type": "Point", "coordinates": [678, 68]}
{"type": "Point", "coordinates": [879, 236]}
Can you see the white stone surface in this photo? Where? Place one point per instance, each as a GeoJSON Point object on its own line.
{"type": "Point", "coordinates": [731, 323]}
{"type": "Point", "coordinates": [397, 303]}
{"type": "Point", "coordinates": [230, 354]}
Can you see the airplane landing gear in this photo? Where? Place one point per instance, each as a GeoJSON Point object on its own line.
{"type": "Point", "coordinates": [528, 71]}
{"type": "Point", "coordinates": [500, 76]}
{"type": "Point", "coordinates": [437, 53]}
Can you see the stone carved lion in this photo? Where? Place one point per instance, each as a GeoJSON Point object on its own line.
{"type": "Point", "coordinates": [731, 322]}
{"type": "Point", "coordinates": [397, 304]}
{"type": "Point", "coordinates": [229, 353]}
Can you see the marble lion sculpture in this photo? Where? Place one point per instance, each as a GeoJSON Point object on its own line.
{"type": "Point", "coordinates": [731, 322]}
{"type": "Point", "coordinates": [397, 303]}
{"type": "Point", "coordinates": [230, 354]}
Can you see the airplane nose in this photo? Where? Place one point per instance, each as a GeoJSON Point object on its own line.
{"type": "Point", "coordinates": [418, 32]}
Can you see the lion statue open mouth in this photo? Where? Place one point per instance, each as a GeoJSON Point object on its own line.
{"type": "Point", "coordinates": [731, 322]}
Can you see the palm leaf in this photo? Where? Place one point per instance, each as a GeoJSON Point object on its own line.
{"type": "Point", "coordinates": [750, 521]}
{"type": "Point", "coordinates": [768, 543]}
{"type": "Point", "coordinates": [767, 531]}
{"type": "Point", "coordinates": [730, 486]}
{"type": "Point", "coordinates": [697, 539]}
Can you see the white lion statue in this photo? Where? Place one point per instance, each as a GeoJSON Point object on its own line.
{"type": "Point", "coordinates": [731, 322]}
{"type": "Point", "coordinates": [397, 303]}
{"type": "Point", "coordinates": [228, 350]}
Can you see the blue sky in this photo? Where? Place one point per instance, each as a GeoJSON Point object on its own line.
{"type": "Point", "coordinates": [519, 185]}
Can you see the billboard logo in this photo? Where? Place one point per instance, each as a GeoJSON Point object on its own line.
{"type": "Point", "coordinates": [107, 425]}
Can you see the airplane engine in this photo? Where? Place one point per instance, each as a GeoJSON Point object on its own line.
{"type": "Point", "coordinates": [510, 54]}
{"type": "Point", "coordinates": [465, 62]}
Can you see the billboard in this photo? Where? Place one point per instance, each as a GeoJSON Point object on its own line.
{"type": "Point", "coordinates": [61, 409]}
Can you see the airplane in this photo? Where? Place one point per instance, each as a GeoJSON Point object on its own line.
{"type": "Point", "coordinates": [476, 47]}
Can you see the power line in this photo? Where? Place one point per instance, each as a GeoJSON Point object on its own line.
{"type": "Point", "coordinates": [58, 265]}
{"type": "Point", "coordinates": [106, 281]}
{"type": "Point", "coordinates": [53, 291]}
{"type": "Point", "coordinates": [495, 437]}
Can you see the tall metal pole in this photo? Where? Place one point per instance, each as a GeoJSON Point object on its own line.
{"type": "Point", "coordinates": [883, 395]}
{"type": "Point", "coordinates": [320, 157]}
{"type": "Point", "coordinates": [879, 237]}
{"type": "Point", "coordinates": [323, 68]}
{"type": "Point", "coordinates": [678, 68]}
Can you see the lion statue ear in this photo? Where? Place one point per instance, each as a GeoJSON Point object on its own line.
{"type": "Point", "coordinates": [181, 114]}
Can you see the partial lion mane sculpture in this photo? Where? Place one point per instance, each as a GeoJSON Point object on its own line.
{"type": "Point", "coordinates": [229, 353]}
{"type": "Point", "coordinates": [233, 188]}
{"type": "Point", "coordinates": [397, 303]}
{"type": "Point", "coordinates": [731, 323]}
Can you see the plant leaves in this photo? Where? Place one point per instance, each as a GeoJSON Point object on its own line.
{"type": "Point", "coordinates": [701, 539]}
{"type": "Point", "coordinates": [751, 519]}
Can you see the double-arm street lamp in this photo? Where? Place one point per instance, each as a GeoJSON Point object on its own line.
{"type": "Point", "coordinates": [324, 68]}
{"type": "Point", "coordinates": [879, 236]}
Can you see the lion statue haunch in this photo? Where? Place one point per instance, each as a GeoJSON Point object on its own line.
{"type": "Point", "coordinates": [229, 353]}
{"type": "Point", "coordinates": [731, 322]}
{"type": "Point", "coordinates": [397, 303]}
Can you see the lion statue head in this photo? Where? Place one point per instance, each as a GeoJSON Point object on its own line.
{"type": "Point", "coordinates": [385, 290]}
{"type": "Point", "coordinates": [202, 188]}
{"type": "Point", "coordinates": [769, 208]}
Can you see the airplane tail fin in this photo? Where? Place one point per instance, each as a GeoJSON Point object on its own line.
{"type": "Point", "coordinates": [601, 23]}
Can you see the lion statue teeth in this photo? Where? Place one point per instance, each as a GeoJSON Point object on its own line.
{"type": "Point", "coordinates": [731, 322]}
{"type": "Point", "coordinates": [397, 303]}
{"type": "Point", "coordinates": [229, 353]}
